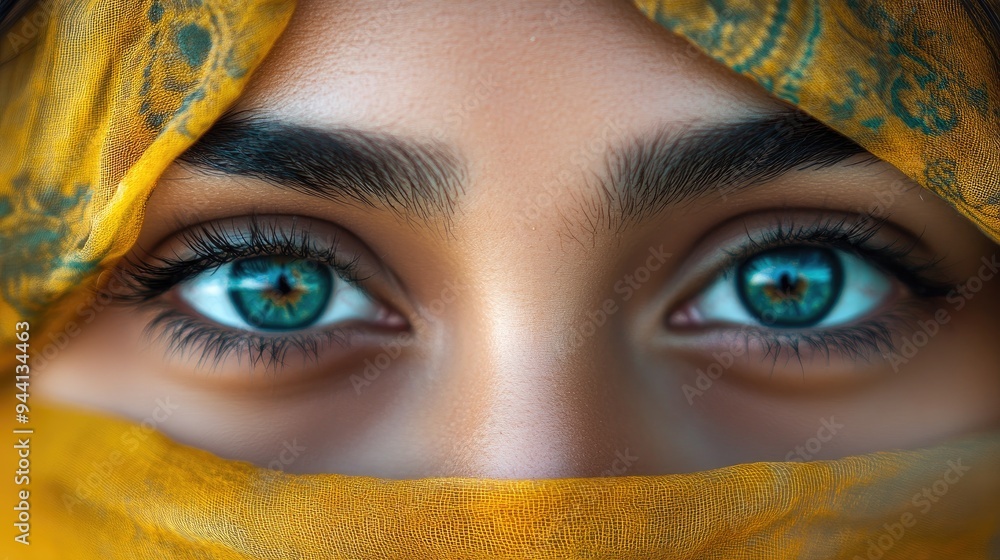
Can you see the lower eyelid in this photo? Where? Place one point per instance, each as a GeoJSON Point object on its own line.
{"type": "Point", "coordinates": [857, 350]}
{"type": "Point", "coordinates": [210, 347]}
{"type": "Point", "coordinates": [808, 359]}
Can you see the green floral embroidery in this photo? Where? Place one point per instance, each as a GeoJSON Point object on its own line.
{"type": "Point", "coordinates": [39, 242]}
{"type": "Point", "coordinates": [908, 82]}
{"type": "Point", "coordinates": [940, 176]}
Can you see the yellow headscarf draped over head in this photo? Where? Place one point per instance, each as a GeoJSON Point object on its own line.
{"type": "Point", "coordinates": [99, 97]}
{"type": "Point", "coordinates": [96, 100]}
{"type": "Point", "coordinates": [915, 81]}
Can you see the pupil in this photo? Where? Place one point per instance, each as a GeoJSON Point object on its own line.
{"type": "Point", "coordinates": [284, 287]}
{"type": "Point", "coordinates": [787, 286]}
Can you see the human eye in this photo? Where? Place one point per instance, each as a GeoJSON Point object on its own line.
{"type": "Point", "coordinates": [277, 294]}
{"type": "Point", "coordinates": [828, 285]}
{"type": "Point", "coordinates": [259, 290]}
{"type": "Point", "coordinates": [796, 286]}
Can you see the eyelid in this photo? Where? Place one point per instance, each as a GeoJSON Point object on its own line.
{"type": "Point", "coordinates": [847, 355]}
{"type": "Point", "coordinates": [208, 246]}
{"type": "Point", "coordinates": [854, 235]}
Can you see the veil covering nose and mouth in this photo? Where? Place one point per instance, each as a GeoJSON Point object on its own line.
{"type": "Point", "coordinates": [98, 97]}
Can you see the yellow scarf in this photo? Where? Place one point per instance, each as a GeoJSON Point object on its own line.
{"type": "Point", "coordinates": [98, 97]}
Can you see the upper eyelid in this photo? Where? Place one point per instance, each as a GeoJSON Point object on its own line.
{"type": "Point", "coordinates": [306, 250]}
{"type": "Point", "coordinates": [213, 247]}
{"type": "Point", "coordinates": [893, 258]}
{"type": "Point", "coordinates": [817, 232]}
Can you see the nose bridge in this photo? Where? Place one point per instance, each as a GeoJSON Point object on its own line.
{"type": "Point", "coordinates": [539, 403]}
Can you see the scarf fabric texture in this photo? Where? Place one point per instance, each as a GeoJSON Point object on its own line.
{"type": "Point", "coordinates": [97, 98]}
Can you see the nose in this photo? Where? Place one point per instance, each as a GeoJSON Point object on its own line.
{"type": "Point", "coordinates": [537, 401]}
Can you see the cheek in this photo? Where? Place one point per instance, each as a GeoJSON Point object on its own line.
{"type": "Point", "coordinates": [940, 382]}
{"type": "Point", "coordinates": [955, 355]}
{"type": "Point", "coordinates": [103, 368]}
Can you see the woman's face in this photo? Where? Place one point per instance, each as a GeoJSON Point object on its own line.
{"type": "Point", "coordinates": [533, 239]}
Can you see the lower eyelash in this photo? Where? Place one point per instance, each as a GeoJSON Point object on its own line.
{"type": "Point", "coordinates": [863, 341]}
{"type": "Point", "coordinates": [185, 333]}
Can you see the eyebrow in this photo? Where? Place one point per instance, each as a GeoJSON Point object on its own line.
{"type": "Point", "coordinates": [670, 167]}
{"type": "Point", "coordinates": [420, 181]}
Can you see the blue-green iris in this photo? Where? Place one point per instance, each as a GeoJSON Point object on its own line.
{"type": "Point", "coordinates": [790, 286]}
{"type": "Point", "coordinates": [275, 293]}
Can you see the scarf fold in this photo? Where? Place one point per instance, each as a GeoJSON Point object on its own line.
{"type": "Point", "coordinates": [98, 97]}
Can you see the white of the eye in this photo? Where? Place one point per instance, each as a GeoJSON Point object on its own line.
{"type": "Point", "coordinates": [207, 293]}
{"type": "Point", "coordinates": [864, 289]}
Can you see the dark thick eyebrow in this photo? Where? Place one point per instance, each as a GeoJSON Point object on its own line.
{"type": "Point", "coordinates": [423, 181]}
{"type": "Point", "coordinates": [415, 180]}
{"type": "Point", "coordinates": [674, 166]}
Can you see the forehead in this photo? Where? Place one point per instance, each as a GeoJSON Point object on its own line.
{"type": "Point", "coordinates": [532, 74]}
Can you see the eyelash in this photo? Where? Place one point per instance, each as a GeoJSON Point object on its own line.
{"type": "Point", "coordinates": [860, 341]}
{"type": "Point", "coordinates": [212, 246]}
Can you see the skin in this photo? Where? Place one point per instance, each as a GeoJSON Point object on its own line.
{"type": "Point", "coordinates": [492, 384]}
